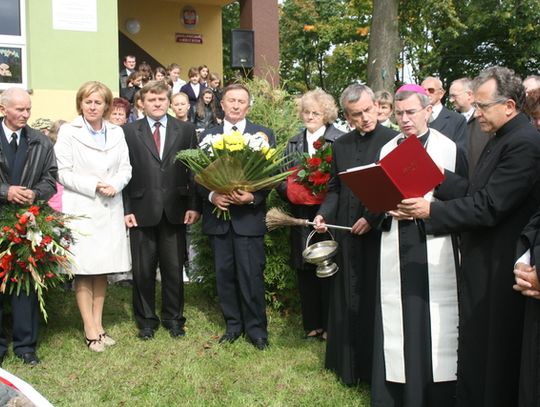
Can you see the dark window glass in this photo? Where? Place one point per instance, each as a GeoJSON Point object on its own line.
{"type": "Point", "coordinates": [10, 17]}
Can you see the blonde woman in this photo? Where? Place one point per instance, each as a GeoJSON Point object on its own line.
{"type": "Point", "coordinates": [93, 166]}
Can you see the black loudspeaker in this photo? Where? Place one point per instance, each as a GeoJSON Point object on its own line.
{"type": "Point", "coordinates": [242, 49]}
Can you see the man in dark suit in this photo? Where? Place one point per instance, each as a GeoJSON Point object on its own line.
{"type": "Point", "coordinates": [238, 244]}
{"type": "Point", "coordinates": [27, 174]}
{"type": "Point", "coordinates": [494, 207]}
{"type": "Point", "coordinates": [159, 202]}
{"type": "Point", "coordinates": [129, 67]}
{"type": "Point", "coordinates": [451, 124]}
{"type": "Point", "coordinates": [461, 96]}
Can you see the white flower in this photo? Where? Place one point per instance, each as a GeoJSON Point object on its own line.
{"type": "Point", "coordinates": [35, 236]}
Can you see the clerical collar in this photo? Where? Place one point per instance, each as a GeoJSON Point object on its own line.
{"type": "Point", "coordinates": [423, 139]}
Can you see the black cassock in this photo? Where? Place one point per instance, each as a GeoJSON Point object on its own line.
{"type": "Point", "coordinates": [416, 309]}
{"type": "Point", "coordinates": [501, 196]}
{"type": "Point", "coordinates": [352, 288]}
{"type": "Point", "coordinates": [529, 380]}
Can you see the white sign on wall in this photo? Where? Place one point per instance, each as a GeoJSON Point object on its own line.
{"type": "Point", "coordinates": [74, 15]}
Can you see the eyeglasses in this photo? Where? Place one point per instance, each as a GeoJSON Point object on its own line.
{"type": "Point", "coordinates": [432, 90]}
{"type": "Point", "coordinates": [409, 113]}
{"type": "Point", "coordinates": [314, 114]}
{"type": "Point", "coordinates": [487, 105]}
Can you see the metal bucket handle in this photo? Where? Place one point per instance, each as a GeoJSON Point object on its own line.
{"type": "Point", "coordinates": [313, 233]}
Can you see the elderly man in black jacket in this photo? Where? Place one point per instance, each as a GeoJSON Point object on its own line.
{"type": "Point", "coordinates": [27, 174]}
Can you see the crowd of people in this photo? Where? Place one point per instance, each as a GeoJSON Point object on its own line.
{"type": "Point", "coordinates": [425, 307]}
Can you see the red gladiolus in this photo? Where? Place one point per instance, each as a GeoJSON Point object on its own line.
{"type": "Point", "coordinates": [49, 218]}
{"type": "Point", "coordinates": [32, 261]}
{"type": "Point", "coordinates": [328, 159]}
{"type": "Point", "coordinates": [20, 228]}
{"type": "Point", "coordinates": [14, 279]}
{"type": "Point", "coordinates": [6, 262]}
{"type": "Point", "coordinates": [17, 239]}
{"type": "Point", "coordinates": [50, 275]}
{"type": "Point", "coordinates": [46, 240]}
{"type": "Point", "coordinates": [314, 162]}
{"type": "Point", "coordinates": [34, 210]}
{"type": "Point", "coordinates": [23, 219]}
{"type": "Point", "coordinates": [3, 274]}
{"type": "Point", "coordinates": [317, 144]}
{"type": "Point", "coordinates": [6, 229]}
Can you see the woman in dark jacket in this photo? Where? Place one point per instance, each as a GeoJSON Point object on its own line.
{"type": "Point", "coordinates": [318, 111]}
{"type": "Point", "coordinates": [204, 115]}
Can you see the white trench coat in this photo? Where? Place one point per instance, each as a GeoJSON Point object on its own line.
{"type": "Point", "coordinates": [102, 244]}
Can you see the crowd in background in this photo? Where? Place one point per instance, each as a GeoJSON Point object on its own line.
{"type": "Point", "coordinates": [425, 307]}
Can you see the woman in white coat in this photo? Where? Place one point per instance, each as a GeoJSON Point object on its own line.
{"type": "Point", "coordinates": [93, 166]}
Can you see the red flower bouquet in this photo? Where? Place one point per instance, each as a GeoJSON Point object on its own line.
{"type": "Point", "coordinates": [308, 183]}
{"type": "Point", "coordinates": [34, 246]}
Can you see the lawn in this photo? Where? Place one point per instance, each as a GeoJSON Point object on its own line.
{"type": "Point", "coordinates": [192, 371]}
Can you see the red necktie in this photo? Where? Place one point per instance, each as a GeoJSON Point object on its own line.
{"type": "Point", "coordinates": [157, 138]}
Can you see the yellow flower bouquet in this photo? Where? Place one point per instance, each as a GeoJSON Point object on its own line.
{"type": "Point", "coordinates": [234, 161]}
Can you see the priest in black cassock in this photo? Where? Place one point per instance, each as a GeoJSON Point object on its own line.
{"type": "Point", "coordinates": [527, 282]}
{"type": "Point", "coordinates": [501, 196]}
{"type": "Point", "coordinates": [416, 314]}
{"type": "Point", "coordinates": [352, 288]}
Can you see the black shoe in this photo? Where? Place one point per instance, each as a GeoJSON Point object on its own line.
{"type": "Point", "coordinates": [29, 358]}
{"type": "Point", "coordinates": [260, 343]}
{"type": "Point", "coordinates": [230, 337]}
{"type": "Point", "coordinates": [145, 334]}
{"type": "Point", "coordinates": [175, 329]}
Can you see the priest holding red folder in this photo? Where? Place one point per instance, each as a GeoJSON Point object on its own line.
{"type": "Point", "coordinates": [416, 314]}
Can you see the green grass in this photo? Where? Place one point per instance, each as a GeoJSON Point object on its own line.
{"type": "Point", "coordinates": [192, 371]}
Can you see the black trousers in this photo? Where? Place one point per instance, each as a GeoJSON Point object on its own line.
{"type": "Point", "coordinates": [314, 294]}
{"type": "Point", "coordinates": [25, 312]}
{"type": "Point", "coordinates": [165, 244]}
{"type": "Point", "coordinates": [239, 264]}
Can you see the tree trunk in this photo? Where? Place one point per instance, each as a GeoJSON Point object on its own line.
{"type": "Point", "coordinates": [384, 45]}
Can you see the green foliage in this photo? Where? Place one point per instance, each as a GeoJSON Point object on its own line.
{"type": "Point", "coordinates": [276, 109]}
{"type": "Point", "coordinates": [323, 43]}
{"type": "Point", "coordinates": [230, 19]}
{"type": "Point", "coordinates": [459, 38]}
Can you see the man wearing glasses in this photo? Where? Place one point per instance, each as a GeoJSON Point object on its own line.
{"type": "Point", "coordinates": [461, 96]}
{"type": "Point", "coordinates": [501, 196]}
{"type": "Point", "coordinates": [451, 124]}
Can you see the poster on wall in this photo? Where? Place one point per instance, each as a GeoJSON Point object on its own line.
{"type": "Point", "coordinates": [12, 72]}
{"type": "Point", "coordinates": [74, 15]}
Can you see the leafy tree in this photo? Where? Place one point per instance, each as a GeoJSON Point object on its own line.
{"type": "Point", "coordinates": [323, 44]}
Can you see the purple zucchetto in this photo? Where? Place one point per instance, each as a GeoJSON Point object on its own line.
{"type": "Point", "coordinates": [411, 87]}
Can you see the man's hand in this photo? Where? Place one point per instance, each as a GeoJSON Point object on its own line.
{"type": "Point", "coordinates": [20, 195]}
{"type": "Point", "coordinates": [105, 189]}
{"type": "Point", "coordinates": [240, 197]}
{"type": "Point", "coordinates": [415, 208]}
{"type": "Point", "coordinates": [222, 201]}
{"type": "Point", "coordinates": [130, 221]}
{"type": "Point", "coordinates": [360, 227]}
{"type": "Point", "coordinates": [320, 224]}
{"type": "Point", "coordinates": [191, 217]}
{"type": "Point", "coordinates": [527, 280]}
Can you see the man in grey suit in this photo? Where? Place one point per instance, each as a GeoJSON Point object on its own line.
{"type": "Point", "coordinates": [238, 243]}
{"type": "Point", "coordinates": [451, 124]}
{"type": "Point", "coordinates": [461, 96]}
{"type": "Point", "coordinates": [159, 202]}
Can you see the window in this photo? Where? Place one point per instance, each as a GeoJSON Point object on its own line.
{"type": "Point", "coordinates": [12, 44]}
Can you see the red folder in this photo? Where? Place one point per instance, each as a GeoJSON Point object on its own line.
{"type": "Point", "coordinates": [406, 172]}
